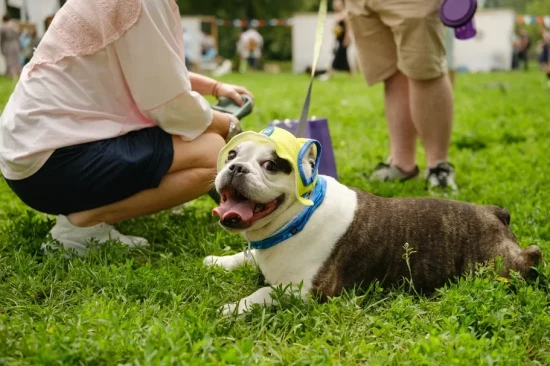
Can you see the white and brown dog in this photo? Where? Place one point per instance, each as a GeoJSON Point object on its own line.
{"type": "Point", "coordinates": [311, 230]}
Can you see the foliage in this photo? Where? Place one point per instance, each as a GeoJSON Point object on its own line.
{"type": "Point", "coordinates": [538, 7]}
{"type": "Point", "coordinates": [158, 306]}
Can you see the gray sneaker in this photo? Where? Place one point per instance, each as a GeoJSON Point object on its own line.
{"type": "Point", "coordinates": [385, 172]}
{"type": "Point", "coordinates": [441, 177]}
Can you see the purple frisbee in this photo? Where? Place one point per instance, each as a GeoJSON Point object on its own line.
{"type": "Point", "coordinates": [459, 14]}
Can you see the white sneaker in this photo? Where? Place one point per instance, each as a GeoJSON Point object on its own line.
{"type": "Point", "coordinates": [79, 238]}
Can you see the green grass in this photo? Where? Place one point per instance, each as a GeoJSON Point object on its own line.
{"type": "Point", "coordinates": [159, 306]}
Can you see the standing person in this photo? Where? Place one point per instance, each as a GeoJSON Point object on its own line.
{"type": "Point", "coordinates": [343, 40]}
{"type": "Point", "coordinates": [515, 51]}
{"type": "Point", "coordinates": [208, 47]}
{"type": "Point", "coordinates": [11, 46]}
{"type": "Point", "coordinates": [402, 45]}
{"type": "Point", "coordinates": [107, 124]}
{"type": "Point", "coordinates": [545, 54]}
{"type": "Point", "coordinates": [523, 47]}
{"type": "Point", "coordinates": [250, 47]}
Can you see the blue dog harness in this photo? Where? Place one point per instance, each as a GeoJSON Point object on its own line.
{"type": "Point", "coordinates": [299, 222]}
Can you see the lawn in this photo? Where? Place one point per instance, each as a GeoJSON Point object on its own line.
{"type": "Point", "coordinates": [159, 306]}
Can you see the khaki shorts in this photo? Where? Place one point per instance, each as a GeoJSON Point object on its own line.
{"type": "Point", "coordinates": [405, 35]}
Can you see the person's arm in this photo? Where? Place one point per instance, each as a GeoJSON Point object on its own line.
{"type": "Point", "coordinates": [203, 84]}
{"type": "Point", "coordinates": [152, 60]}
{"type": "Point", "coordinates": [207, 86]}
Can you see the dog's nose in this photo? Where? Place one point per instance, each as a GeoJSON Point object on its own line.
{"type": "Point", "coordinates": [238, 169]}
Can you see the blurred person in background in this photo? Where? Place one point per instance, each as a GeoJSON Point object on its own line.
{"type": "Point", "coordinates": [249, 48]}
{"type": "Point", "coordinates": [545, 53]}
{"type": "Point", "coordinates": [208, 46]}
{"type": "Point", "coordinates": [522, 45]}
{"type": "Point", "coordinates": [10, 45]}
{"type": "Point", "coordinates": [30, 42]}
{"type": "Point", "coordinates": [342, 32]}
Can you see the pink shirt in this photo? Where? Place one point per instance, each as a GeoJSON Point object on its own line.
{"type": "Point", "coordinates": [138, 81]}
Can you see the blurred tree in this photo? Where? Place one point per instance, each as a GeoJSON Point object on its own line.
{"type": "Point", "coordinates": [538, 7]}
{"type": "Point", "coordinates": [517, 5]}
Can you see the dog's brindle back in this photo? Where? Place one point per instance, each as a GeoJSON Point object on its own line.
{"type": "Point", "coordinates": [447, 236]}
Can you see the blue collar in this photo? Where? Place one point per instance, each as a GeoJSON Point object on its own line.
{"type": "Point", "coordinates": [298, 223]}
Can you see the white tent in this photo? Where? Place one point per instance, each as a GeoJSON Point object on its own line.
{"type": "Point", "coordinates": [192, 25]}
{"type": "Point", "coordinates": [492, 47]}
{"type": "Point", "coordinates": [303, 41]}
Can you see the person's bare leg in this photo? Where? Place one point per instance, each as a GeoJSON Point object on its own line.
{"type": "Point", "coordinates": [400, 124]}
{"type": "Point", "coordinates": [452, 78]}
{"type": "Point", "coordinates": [431, 104]}
{"type": "Point", "coordinates": [175, 189]}
{"type": "Point", "coordinates": [192, 174]}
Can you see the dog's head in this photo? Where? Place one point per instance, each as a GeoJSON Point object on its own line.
{"type": "Point", "coordinates": [260, 175]}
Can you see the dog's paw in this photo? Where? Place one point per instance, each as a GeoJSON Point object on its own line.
{"type": "Point", "coordinates": [228, 309]}
{"type": "Point", "coordinates": [227, 262]}
{"type": "Point", "coordinates": [239, 308]}
{"type": "Point", "coordinates": [211, 261]}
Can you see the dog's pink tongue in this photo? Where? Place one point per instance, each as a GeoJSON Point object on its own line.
{"type": "Point", "coordinates": [232, 208]}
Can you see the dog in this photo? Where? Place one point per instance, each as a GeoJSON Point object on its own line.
{"type": "Point", "coordinates": [312, 234]}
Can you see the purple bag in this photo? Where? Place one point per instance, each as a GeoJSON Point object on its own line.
{"type": "Point", "coordinates": [317, 129]}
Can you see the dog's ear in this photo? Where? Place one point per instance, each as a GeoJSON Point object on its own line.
{"type": "Point", "coordinates": [311, 157]}
{"type": "Point", "coordinates": [308, 161]}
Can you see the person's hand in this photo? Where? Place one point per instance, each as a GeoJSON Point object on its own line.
{"type": "Point", "coordinates": [225, 125]}
{"type": "Point", "coordinates": [232, 92]}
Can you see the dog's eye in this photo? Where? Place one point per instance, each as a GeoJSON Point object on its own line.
{"type": "Point", "coordinates": [270, 166]}
{"type": "Point", "coordinates": [232, 155]}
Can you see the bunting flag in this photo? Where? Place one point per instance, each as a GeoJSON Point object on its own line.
{"type": "Point", "coordinates": [254, 23]}
{"type": "Point", "coordinates": [259, 23]}
{"type": "Point", "coordinates": [534, 20]}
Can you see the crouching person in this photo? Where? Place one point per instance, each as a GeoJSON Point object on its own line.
{"type": "Point", "coordinates": [107, 124]}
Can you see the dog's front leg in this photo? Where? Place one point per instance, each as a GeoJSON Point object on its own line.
{"type": "Point", "coordinates": [230, 262]}
{"type": "Point", "coordinates": [261, 297]}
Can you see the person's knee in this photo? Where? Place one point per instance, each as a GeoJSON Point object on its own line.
{"type": "Point", "coordinates": [203, 176]}
{"type": "Point", "coordinates": [397, 80]}
{"type": "Point", "coordinates": [421, 82]}
{"type": "Point", "coordinates": [397, 75]}
{"type": "Point", "coordinates": [215, 143]}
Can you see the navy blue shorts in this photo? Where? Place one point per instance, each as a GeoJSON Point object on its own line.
{"type": "Point", "coordinates": [95, 174]}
